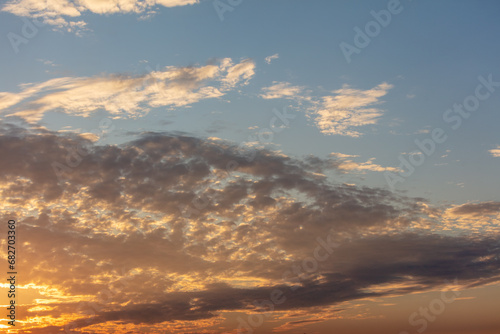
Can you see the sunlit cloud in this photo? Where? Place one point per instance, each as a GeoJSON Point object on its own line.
{"type": "Point", "coordinates": [281, 90]}
{"type": "Point", "coordinates": [478, 217]}
{"type": "Point", "coordinates": [125, 96]}
{"type": "Point", "coordinates": [66, 14]}
{"type": "Point", "coordinates": [212, 239]}
{"type": "Point", "coordinates": [349, 108]}
{"type": "Point", "coordinates": [495, 152]}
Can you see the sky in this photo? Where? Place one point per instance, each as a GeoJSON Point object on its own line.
{"type": "Point", "coordinates": [250, 166]}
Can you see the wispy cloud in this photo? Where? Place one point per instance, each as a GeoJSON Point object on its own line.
{"type": "Point", "coordinates": [270, 58]}
{"type": "Point", "coordinates": [349, 108]}
{"type": "Point", "coordinates": [65, 13]}
{"type": "Point", "coordinates": [126, 96]}
{"type": "Point", "coordinates": [282, 90]}
{"type": "Point", "coordinates": [345, 162]}
{"type": "Point", "coordinates": [495, 152]}
{"type": "Point", "coordinates": [338, 114]}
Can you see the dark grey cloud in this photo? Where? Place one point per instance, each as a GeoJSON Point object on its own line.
{"type": "Point", "coordinates": [164, 207]}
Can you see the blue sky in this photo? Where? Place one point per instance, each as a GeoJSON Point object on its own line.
{"type": "Point", "coordinates": [431, 54]}
{"type": "Point", "coordinates": [184, 68]}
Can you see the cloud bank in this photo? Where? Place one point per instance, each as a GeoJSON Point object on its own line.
{"type": "Point", "coordinates": [197, 227]}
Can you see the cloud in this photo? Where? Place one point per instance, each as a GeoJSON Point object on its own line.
{"type": "Point", "coordinates": [176, 230]}
{"type": "Point", "coordinates": [235, 73]}
{"type": "Point", "coordinates": [495, 152]}
{"type": "Point", "coordinates": [421, 131]}
{"type": "Point", "coordinates": [344, 163]}
{"type": "Point", "coordinates": [338, 114]}
{"type": "Point", "coordinates": [281, 90]}
{"type": "Point", "coordinates": [126, 96]}
{"type": "Point", "coordinates": [349, 108]}
{"type": "Point", "coordinates": [270, 58]}
{"type": "Point", "coordinates": [64, 13]}
{"type": "Point", "coordinates": [477, 209]}
{"type": "Point", "coordinates": [342, 155]}
{"type": "Point", "coordinates": [477, 217]}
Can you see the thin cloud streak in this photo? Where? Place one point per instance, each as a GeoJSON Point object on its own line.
{"type": "Point", "coordinates": [126, 96]}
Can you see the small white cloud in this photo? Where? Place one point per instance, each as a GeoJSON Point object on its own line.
{"type": "Point", "coordinates": [342, 155]}
{"type": "Point", "coordinates": [349, 108]}
{"type": "Point", "coordinates": [235, 73]}
{"type": "Point", "coordinates": [90, 136]}
{"type": "Point", "coordinates": [270, 58]}
{"type": "Point", "coordinates": [495, 152]}
{"type": "Point", "coordinates": [412, 153]}
{"type": "Point", "coordinates": [423, 131]}
{"type": "Point", "coordinates": [47, 62]}
{"type": "Point", "coordinates": [348, 164]}
{"type": "Point", "coordinates": [281, 90]}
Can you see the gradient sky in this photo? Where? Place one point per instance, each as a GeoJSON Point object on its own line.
{"type": "Point", "coordinates": [251, 166]}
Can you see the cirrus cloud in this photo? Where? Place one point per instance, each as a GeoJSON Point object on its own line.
{"type": "Point", "coordinates": [125, 96]}
{"type": "Point", "coordinates": [281, 90]}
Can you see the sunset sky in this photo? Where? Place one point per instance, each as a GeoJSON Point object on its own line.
{"type": "Point", "coordinates": [251, 166]}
